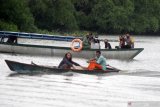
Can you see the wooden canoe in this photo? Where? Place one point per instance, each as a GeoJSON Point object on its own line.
{"type": "Point", "coordinates": [32, 69]}
{"type": "Point", "coordinates": [27, 49]}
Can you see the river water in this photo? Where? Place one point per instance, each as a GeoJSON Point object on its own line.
{"type": "Point", "coordinates": [137, 82]}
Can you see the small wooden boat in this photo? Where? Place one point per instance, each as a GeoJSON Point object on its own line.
{"type": "Point", "coordinates": [33, 68]}
{"type": "Point", "coordinates": [41, 50]}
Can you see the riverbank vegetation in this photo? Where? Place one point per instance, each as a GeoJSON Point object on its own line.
{"type": "Point", "coordinates": [102, 16]}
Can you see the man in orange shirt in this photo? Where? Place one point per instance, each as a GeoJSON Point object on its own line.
{"type": "Point", "coordinates": [98, 63]}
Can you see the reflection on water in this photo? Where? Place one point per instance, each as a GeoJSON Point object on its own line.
{"type": "Point", "coordinates": [138, 81]}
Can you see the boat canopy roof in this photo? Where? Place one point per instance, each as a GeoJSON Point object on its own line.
{"type": "Point", "coordinates": [37, 36]}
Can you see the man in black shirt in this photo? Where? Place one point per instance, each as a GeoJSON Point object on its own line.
{"type": "Point", "coordinates": [107, 44]}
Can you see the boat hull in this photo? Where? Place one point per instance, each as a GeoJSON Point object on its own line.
{"type": "Point", "coordinates": [33, 69]}
{"type": "Point", "coordinates": [60, 51]}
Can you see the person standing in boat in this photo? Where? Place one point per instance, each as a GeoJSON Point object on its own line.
{"type": "Point", "coordinates": [107, 44]}
{"type": "Point", "coordinates": [87, 39]}
{"type": "Point", "coordinates": [86, 43]}
{"type": "Point", "coordinates": [131, 40]}
{"type": "Point", "coordinates": [128, 41]}
{"type": "Point", "coordinates": [99, 62]}
{"type": "Point", "coordinates": [67, 62]}
{"type": "Point", "coordinates": [95, 43]}
{"type": "Point", "coordinates": [122, 42]}
{"type": "Point", "coordinates": [90, 37]}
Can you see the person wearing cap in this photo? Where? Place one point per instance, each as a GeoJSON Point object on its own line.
{"type": "Point", "coordinates": [99, 62]}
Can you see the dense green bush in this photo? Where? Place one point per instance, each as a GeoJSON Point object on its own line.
{"type": "Point", "coordinates": [8, 26]}
{"type": "Point", "coordinates": [104, 16]}
{"type": "Point", "coordinates": [18, 13]}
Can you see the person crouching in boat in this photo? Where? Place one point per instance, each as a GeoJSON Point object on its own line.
{"type": "Point", "coordinates": [67, 62]}
{"type": "Point", "coordinates": [98, 63]}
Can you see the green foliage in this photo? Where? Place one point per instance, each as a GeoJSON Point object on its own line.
{"type": "Point", "coordinates": [43, 13]}
{"type": "Point", "coordinates": [113, 16]}
{"type": "Point", "coordinates": [104, 16]}
{"type": "Point", "coordinates": [17, 12]}
{"type": "Point", "coordinates": [65, 15]}
{"type": "Point", "coordinates": [54, 14]}
{"type": "Point", "coordinates": [146, 16]}
{"type": "Point", "coordinates": [154, 24]}
{"type": "Point", "coordinates": [8, 26]}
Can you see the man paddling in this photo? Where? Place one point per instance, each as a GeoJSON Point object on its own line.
{"type": "Point", "coordinates": [98, 63]}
